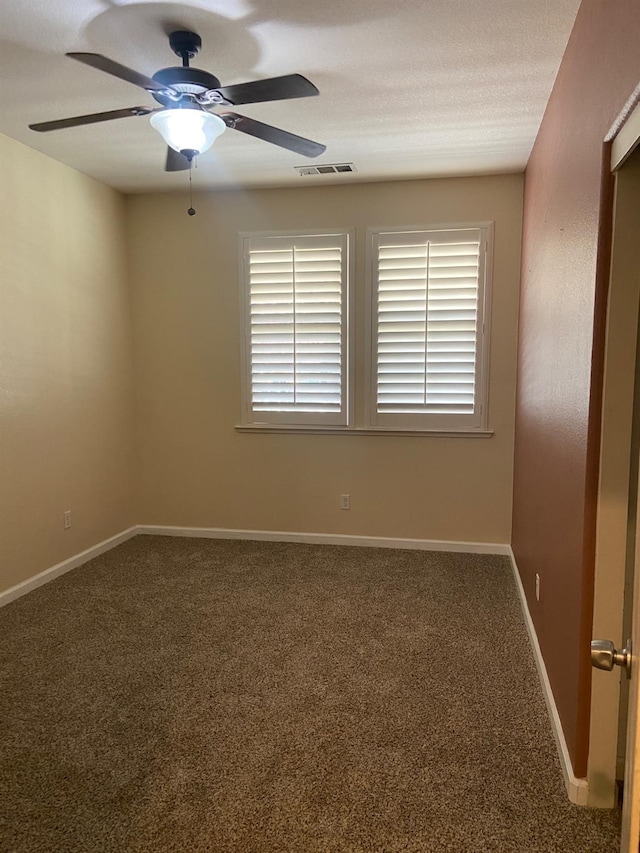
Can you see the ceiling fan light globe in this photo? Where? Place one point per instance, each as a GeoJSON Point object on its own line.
{"type": "Point", "coordinates": [193, 130]}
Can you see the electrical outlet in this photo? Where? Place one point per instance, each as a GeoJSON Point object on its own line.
{"type": "Point", "coordinates": [67, 519]}
{"type": "Point", "coordinates": [537, 587]}
{"type": "Point", "coordinates": [345, 502]}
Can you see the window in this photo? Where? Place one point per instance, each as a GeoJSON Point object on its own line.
{"type": "Point", "coordinates": [423, 362]}
{"type": "Point", "coordinates": [427, 329]}
{"type": "Point", "coordinates": [295, 329]}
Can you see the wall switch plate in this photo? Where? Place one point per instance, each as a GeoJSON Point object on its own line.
{"type": "Point", "coordinates": [345, 502]}
{"type": "Point", "coordinates": [67, 519]}
{"type": "Point", "coordinates": [537, 587]}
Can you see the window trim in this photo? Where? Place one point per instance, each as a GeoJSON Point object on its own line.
{"type": "Point", "coordinates": [261, 421]}
{"type": "Point", "coordinates": [429, 423]}
{"type": "Point", "coordinates": [353, 430]}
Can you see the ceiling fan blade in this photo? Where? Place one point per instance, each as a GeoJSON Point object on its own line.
{"type": "Point", "coordinates": [96, 60]}
{"type": "Point", "coordinates": [283, 138]}
{"type": "Point", "coordinates": [273, 89]}
{"type": "Point", "coordinates": [59, 124]}
{"type": "Point", "coordinates": [176, 162]}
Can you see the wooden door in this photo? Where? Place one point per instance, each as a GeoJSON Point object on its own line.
{"type": "Point", "coordinates": [630, 842]}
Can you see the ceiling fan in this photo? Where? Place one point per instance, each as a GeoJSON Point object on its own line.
{"type": "Point", "coordinates": [187, 97]}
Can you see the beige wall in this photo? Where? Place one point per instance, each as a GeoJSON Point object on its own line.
{"type": "Point", "coordinates": [194, 469]}
{"type": "Point", "coordinates": [66, 400]}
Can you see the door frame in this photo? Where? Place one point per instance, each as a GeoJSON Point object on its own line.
{"type": "Point", "coordinates": [612, 513]}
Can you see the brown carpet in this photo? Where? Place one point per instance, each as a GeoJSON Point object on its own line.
{"type": "Point", "coordinates": [199, 695]}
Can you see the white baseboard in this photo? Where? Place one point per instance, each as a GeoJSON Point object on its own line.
{"type": "Point", "coordinates": [577, 789]}
{"type": "Point", "coordinates": [65, 566]}
{"type": "Point", "coordinates": [326, 539]}
{"type": "Point", "coordinates": [49, 574]}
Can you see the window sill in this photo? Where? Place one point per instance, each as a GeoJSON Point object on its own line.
{"type": "Point", "coordinates": [336, 430]}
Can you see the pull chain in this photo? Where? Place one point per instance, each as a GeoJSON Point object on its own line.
{"type": "Point", "coordinates": [191, 210]}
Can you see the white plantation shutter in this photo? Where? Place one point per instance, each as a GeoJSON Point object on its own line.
{"type": "Point", "coordinates": [296, 329]}
{"type": "Point", "coordinates": [427, 328]}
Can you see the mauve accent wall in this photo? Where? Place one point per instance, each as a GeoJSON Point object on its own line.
{"type": "Point", "coordinates": [566, 246]}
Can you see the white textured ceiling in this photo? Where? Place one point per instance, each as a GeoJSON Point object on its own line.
{"type": "Point", "coordinates": [408, 88]}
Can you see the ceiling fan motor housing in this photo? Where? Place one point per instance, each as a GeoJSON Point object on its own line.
{"type": "Point", "coordinates": [187, 81]}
